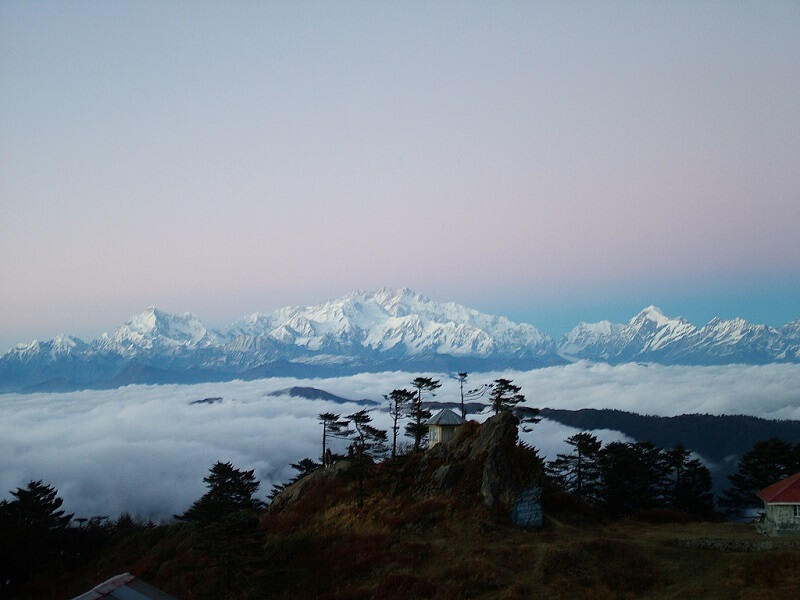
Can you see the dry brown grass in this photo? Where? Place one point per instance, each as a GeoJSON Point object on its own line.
{"type": "Point", "coordinates": [768, 575]}
{"type": "Point", "coordinates": [449, 547]}
{"type": "Point", "coordinates": [606, 568]}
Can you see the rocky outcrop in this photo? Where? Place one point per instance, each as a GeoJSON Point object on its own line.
{"type": "Point", "coordinates": [293, 492]}
{"type": "Point", "coordinates": [483, 464]}
{"type": "Point", "coordinates": [488, 460]}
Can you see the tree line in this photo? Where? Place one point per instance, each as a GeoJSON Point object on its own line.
{"type": "Point", "coordinates": [631, 477]}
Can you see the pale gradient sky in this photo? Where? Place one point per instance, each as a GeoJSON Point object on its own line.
{"type": "Point", "coordinates": [550, 161]}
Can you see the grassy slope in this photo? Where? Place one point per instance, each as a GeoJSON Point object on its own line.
{"type": "Point", "coordinates": [445, 547]}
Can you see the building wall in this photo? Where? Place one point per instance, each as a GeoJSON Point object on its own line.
{"type": "Point", "coordinates": [780, 518]}
{"type": "Point", "coordinates": [448, 433]}
{"type": "Point", "coordinates": [438, 434]}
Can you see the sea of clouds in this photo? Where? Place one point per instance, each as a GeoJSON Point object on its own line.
{"type": "Point", "coordinates": [145, 449]}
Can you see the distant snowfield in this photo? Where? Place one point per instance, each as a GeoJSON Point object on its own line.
{"type": "Point", "coordinates": [145, 449]}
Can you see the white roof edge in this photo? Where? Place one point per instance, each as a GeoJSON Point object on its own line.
{"type": "Point", "coordinates": [106, 587]}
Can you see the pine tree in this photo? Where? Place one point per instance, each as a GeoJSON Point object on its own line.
{"type": "Point", "coordinates": [33, 532]}
{"type": "Point", "coordinates": [227, 526]}
{"type": "Point", "coordinates": [398, 400]}
{"type": "Point", "coordinates": [37, 508]}
{"type": "Point", "coordinates": [579, 471]}
{"type": "Point", "coordinates": [417, 429]}
{"type": "Point", "coordinates": [654, 470]}
{"type": "Point", "coordinates": [632, 477]}
{"type": "Point", "coordinates": [687, 486]}
{"type": "Point", "coordinates": [368, 443]}
{"type": "Point", "coordinates": [472, 394]}
{"type": "Point", "coordinates": [229, 490]}
{"type": "Point", "coordinates": [332, 427]}
{"type": "Point", "coordinates": [505, 395]}
{"type": "Point", "coordinates": [767, 462]}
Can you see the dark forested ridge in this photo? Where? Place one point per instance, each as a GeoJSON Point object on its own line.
{"type": "Point", "coordinates": [722, 439]}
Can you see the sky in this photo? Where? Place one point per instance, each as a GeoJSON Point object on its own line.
{"type": "Point", "coordinates": [146, 449]}
{"type": "Point", "coordinates": [552, 162]}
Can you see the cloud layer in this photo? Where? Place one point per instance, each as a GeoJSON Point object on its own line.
{"type": "Point", "coordinates": [145, 449]}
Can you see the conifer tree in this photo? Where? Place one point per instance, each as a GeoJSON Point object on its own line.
{"type": "Point", "coordinates": [579, 471]}
{"type": "Point", "coordinates": [398, 400]}
{"type": "Point", "coordinates": [229, 490]}
{"type": "Point", "coordinates": [505, 395]}
{"type": "Point", "coordinates": [303, 467]}
{"type": "Point", "coordinates": [766, 463]}
{"type": "Point", "coordinates": [37, 507]}
{"type": "Point", "coordinates": [417, 428]}
{"type": "Point", "coordinates": [632, 477]}
{"type": "Point", "coordinates": [472, 394]}
{"type": "Point", "coordinates": [33, 532]}
{"type": "Point", "coordinates": [332, 427]}
{"type": "Point", "coordinates": [368, 443]}
{"type": "Point", "coordinates": [227, 526]}
{"type": "Point", "coordinates": [687, 486]}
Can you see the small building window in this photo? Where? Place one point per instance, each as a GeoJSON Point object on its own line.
{"type": "Point", "coordinates": [796, 511]}
{"type": "Point", "coordinates": [435, 435]}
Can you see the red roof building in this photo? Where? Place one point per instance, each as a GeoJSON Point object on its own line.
{"type": "Point", "coordinates": [786, 490]}
{"type": "Point", "coordinates": [782, 506]}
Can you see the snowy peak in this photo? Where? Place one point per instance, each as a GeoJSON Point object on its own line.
{"type": "Point", "coordinates": [400, 302]}
{"type": "Point", "coordinates": [397, 320]}
{"type": "Point", "coordinates": [391, 328]}
{"type": "Point", "coordinates": [251, 326]}
{"type": "Point", "coordinates": [652, 317]}
{"type": "Point", "coordinates": [388, 324]}
{"type": "Point", "coordinates": [792, 330]}
{"type": "Point", "coordinates": [650, 331]}
{"type": "Point", "coordinates": [33, 347]}
{"type": "Point", "coordinates": [651, 314]}
{"type": "Point", "coordinates": [64, 345]}
{"type": "Point", "coordinates": [653, 336]}
{"type": "Point", "coordinates": [156, 329]}
{"type": "Point", "coordinates": [589, 335]}
{"type": "Point", "coordinates": [60, 346]}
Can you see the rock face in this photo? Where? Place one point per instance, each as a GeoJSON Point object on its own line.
{"type": "Point", "coordinates": [292, 493]}
{"type": "Point", "coordinates": [487, 459]}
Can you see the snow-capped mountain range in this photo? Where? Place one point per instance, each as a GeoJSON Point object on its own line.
{"type": "Point", "coordinates": [370, 331]}
{"type": "Point", "coordinates": [651, 336]}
